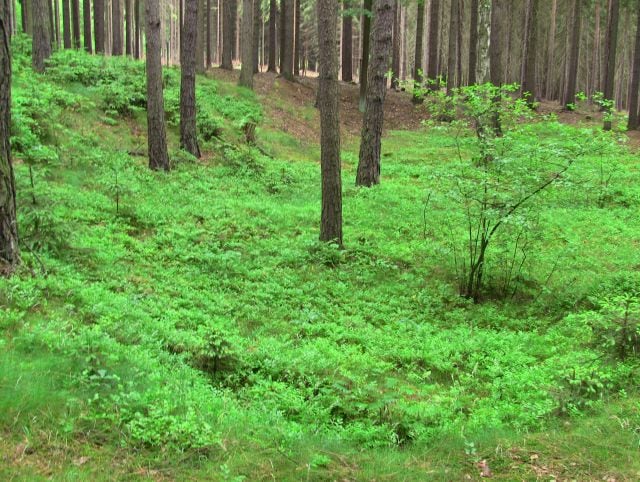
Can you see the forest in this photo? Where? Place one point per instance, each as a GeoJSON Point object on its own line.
{"type": "Point", "coordinates": [320, 240]}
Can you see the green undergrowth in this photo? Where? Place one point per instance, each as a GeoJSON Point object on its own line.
{"type": "Point", "coordinates": [193, 316]}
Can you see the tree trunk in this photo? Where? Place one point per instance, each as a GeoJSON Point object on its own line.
{"type": "Point", "coordinates": [596, 68]}
{"type": "Point", "coordinates": [227, 35]}
{"type": "Point", "coordinates": [434, 30]}
{"type": "Point", "coordinates": [200, 38]}
{"type": "Point", "coordinates": [40, 41]}
{"type": "Point", "coordinates": [347, 44]}
{"type": "Point", "coordinates": [531, 41]}
{"type": "Point", "coordinates": [569, 97]}
{"type": "Point", "coordinates": [273, 37]}
{"type": "Point", "coordinates": [287, 46]}
{"type": "Point", "coordinates": [551, 52]}
{"type": "Point", "coordinates": [98, 24]}
{"type": "Point", "coordinates": [452, 56]}
{"type": "Point", "coordinates": [257, 22]}
{"type": "Point", "coordinates": [397, 44]}
{"type": "Point", "coordinates": [635, 80]}
{"type": "Point", "coordinates": [282, 33]}
{"type": "Point", "coordinates": [370, 145]}
{"type": "Point", "coordinates": [246, 73]}
{"type": "Point", "coordinates": [9, 251]}
{"type": "Point", "coordinates": [86, 20]}
{"type": "Point", "coordinates": [496, 45]}
{"type": "Point", "coordinates": [116, 33]}
{"type": "Point", "coordinates": [75, 16]}
{"type": "Point", "coordinates": [611, 42]}
{"type": "Point", "coordinates": [417, 66]}
{"type": "Point", "coordinates": [138, 34]}
{"type": "Point", "coordinates": [66, 23]}
{"type": "Point", "coordinates": [188, 132]}
{"type": "Point", "coordinates": [208, 54]}
{"type": "Point", "coordinates": [473, 42]}
{"type": "Point", "coordinates": [364, 62]}
{"type": "Point", "coordinates": [234, 28]}
{"type": "Point", "coordinates": [128, 38]}
{"type": "Point", "coordinates": [328, 104]}
{"type": "Point", "coordinates": [157, 140]}
{"type": "Point", "coordinates": [296, 36]}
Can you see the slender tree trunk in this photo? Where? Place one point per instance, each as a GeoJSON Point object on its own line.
{"type": "Point", "coordinates": [529, 83]}
{"type": "Point", "coordinates": [370, 145]}
{"type": "Point", "coordinates": [611, 42]}
{"type": "Point", "coordinates": [128, 39]}
{"type": "Point", "coordinates": [287, 47]}
{"type": "Point", "coordinates": [434, 30]}
{"type": "Point", "coordinates": [98, 24]}
{"type": "Point", "coordinates": [116, 33]}
{"type": "Point", "coordinates": [496, 49]}
{"type": "Point", "coordinates": [40, 41]}
{"type": "Point", "coordinates": [227, 35]}
{"type": "Point", "coordinates": [56, 20]}
{"type": "Point", "coordinates": [200, 37]}
{"type": "Point", "coordinates": [473, 42]}
{"type": "Point", "coordinates": [66, 23]}
{"type": "Point", "coordinates": [246, 73]}
{"type": "Point", "coordinates": [282, 33]}
{"type": "Point", "coordinates": [364, 62]}
{"type": "Point", "coordinates": [188, 131]}
{"type": "Point", "coordinates": [452, 51]}
{"type": "Point", "coordinates": [157, 139]}
{"type": "Point", "coordinates": [273, 37]}
{"type": "Point", "coordinates": [569, 97]}
{"type": "Point", "coordinates": [397, 44]}
{"type": "Point", "coordinates": [75, 16]}
{"type": "Point", "coordinates": [208, 55]}
{"type": "Point", "coordinates": [86, 20]}
{"type": "Point", "coordinates": [551, 51]}
{"type": "Point", "coordinates": [234, 28]}
{"type": "Point", "coordinates": [347, 44]}
{"type": "Point", "coordinates": [257, 22]}
{"type": "Point", "coordinates": [635, 80]}
{"type": "Point", "coordinates": [297, 44]}
{"type": "Point", "coordinates": [417, 66]}
{"type": "Point", "coordinates": [328, 104]}
{"type": "Point", "coordinates": [596, 68]}
{"type": "Point", "coordinates": [138, 31]}
{"type": "Point", "coordinates": [9, 251]}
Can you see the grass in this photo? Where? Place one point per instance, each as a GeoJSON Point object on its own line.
{"type": "Point", "coordinates": [197, 330]}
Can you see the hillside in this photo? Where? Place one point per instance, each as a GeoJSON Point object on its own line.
{"type": "Point", "coordinates": [188, 326]}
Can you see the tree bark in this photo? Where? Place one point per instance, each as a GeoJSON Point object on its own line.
{"type": "Point", "coordinates": [257, 22]}
{"type": "Point", "coordinates": [128, 33]}
{"type": "Point", "coordinates": [347, 44]}
{"type": "Point", "coordinates": [434, 31]}
{"type": "Point", "coordinates": [569, 97]}
{"type": "Point", "coordinates": [328, 103]}
{"type": "Point", "coordinates": [41, 40]}
{"type": "Point", "coordinates": [208, 54]}
{"type": "Point", "coordinates": [138, 30]}
{"type": "Point", "coordinates": [75, 15]}
{"type": "Point", "coordinates": [246, 72]}
{"type": "Point", "coordinates": [273, 37]}
{"type": "Point", "coordinates": [228, 20]}
{"type": "Point", "coordinates": [551, 51]}
{"type": "Point", "coordinates": [452, 54]}
{"type": "Point", "coordinates": [98, 24]}
{"type": "Point", "coordinates": [157, 140]}
{"type": "Point", "coordinates": [86, 20]}
{"type": "Point", "coordinates": [9, 250]}
{"type": "Point", "coordinates": [370, 145]}
{"type": "Point", "coordinates": [297, 43]}
{"type": "Point", "coordinates": [66, 23]}
{"type": "Point", "coordinates": [473, 42]}
{"type": "Point", "coordinates": [116, 33]}
{"type": "Point", "coordinates": [188, 132]}
{"type": "Point", "coordinates": [611, 42]}
{"type": "Point", "coordinates": [417, 65]}
{"type": "Point", "coordinates": [397, 44]}
{"type": "Point", "coordinates": [288, 44]}
{"type": "Point", "coordinates": [364, 63]}
{"type": "Point", "coordinates": [200, 38]}
{"type": "Point", "coordinates": [531, 40]}
{"type": "Point", "coordinates": [635, 80]}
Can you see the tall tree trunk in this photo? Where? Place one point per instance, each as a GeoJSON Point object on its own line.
{"type": "Point", "coordinates": [86, 20]}
{"type": "Point", "coordinates": [370, 145]}
{"type": "Point", "coordinates": [246, 73]}
{"type": "Point", "coordinates": [66, 23]}
{"type": "Point", "coordinates": [41, 40]}
{"type": "Point", "coordinates": [9, 251]}
{"type": "Point", "coordinates": [328, 104]}
{"type": "Point", "coordinates": [347, 44]}
{"type": "Point", "coordinates": [551, 52]}
{"type": "Point", "coordinates": [434, 32]}
{"type": "Point", "coordinates": [611, 42]}
{"type": "Point", "coordinates": [635, 80]}
{"type": "Point", "coordinates": [596, 68]}
{"type": "Point", "coordinates": [473, 42]}
{"type": "Point", "coordinates": [417, 65]}
{"type": "Point", "coordinates": [157, 139]}
{"type": "Point", "coordinates": [397, 44]}
{"type": "Point", "coordinates": [529, 83]}
{"type": "Point", "coordinates": [287, 46]}
{"type": "Point", "coordinates": [273, 37]}
{"type": "Point", "coordinates": [98, 24]}
{"type": "Point", "coordinates": [188, 131]}
{"type": "Point", "coordinates": [364, 62]}
{"type": "Point", "coordinates": [208, 54]}
{"type": "Point", "coordinates": [296, 36]}
{"type": "Point", "coordinates": [200, 38]}
{"type": "Point", "coordinates": [282, 33]}
{"type": "Point", "coordinates": [116, 33]}
{"type": "Point", "coordinates": [452, 55]}
{"type": "Point", "coordinates": [496, 49]}
{"type": "Point", "coordinates": [138, 31]}
{"type": "Point", "coordinates": [234, 28]}
{"type": "Point", "coordinates": [128, 33]}
{"type": "Point", "coordinates": [569, 97]}
{"type": "Point", "coordinates": [56, 20]}
{"type": "Point", "coordinates": [257, 23]}
{"type": "Point", "coordinates": [75, 15]}
{"type": "Point", "coordinates": [228, 20]}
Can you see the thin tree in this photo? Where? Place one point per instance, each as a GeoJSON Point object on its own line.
{"type": "Point", "coordinates": [473, 42]}
{"type": "Point", "coordinates": [66, 23]}
{"type": "Point", "coordinates": [370, 144]}
{"type": "Point", "coordinates": [200, 37]}
{"type": "Point", "coordinates": [86, 21]}
{"type": "Point", "coordinates": [364, 63]}
{"type": "Point", "coordinates": [157, 139]}
{"type": "Point", "coordinates": [9, 251]}
{"type": "Point", "coordinates": [452, 55]}
{"type": "Point", "coordinates": [257, 23]}
{"type": "Point", "coordinates": [98, 24]}
{"type": "Point", "coordinates": [41, 39]}
{"type": "Point", "coordinates": [496, 47]}
{"type": "Point", "coordinates": [569, 96]}
{"type": "Point", "coordinates": [531, 52]}
{"type": "Point", "coordinates": [635, 79]}
{"type": "Point", "coordinates": [188, 132]}
{"type": "Point", "coordinates": [297, 45]}
{"type": "Point", "coordinates": [611, 42]}
{"type": "Point", "coordinates": [551, 50]}
{"type": "Point", "coordinates": [228, 19]}
{"type": "Point", "coordinates": [347, 42]}
{"type": "Point", "coordinates": [246, 39]}
{"type": "Point", "coordinates": [328, 103]}
{"type": "Point", "coordinates": [288, 44]}
{"type": "Point", "coordinates": [116, 33]}
{"type": "Point", "coordinates": [273, 37]}
{"type": "Point", "coordinates": [397, 44]}
{"type": "Point", "coordinates": [417, 65]}
{"type": "Point", "coordinates": [128, 33]}
{"type": "Point", "coordinates": [432, 57]}
{"type": "Point", "coordinates": [75, 16]}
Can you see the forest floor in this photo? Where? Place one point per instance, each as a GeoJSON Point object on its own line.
{"type": "Point", "coordinates": [188, 326]}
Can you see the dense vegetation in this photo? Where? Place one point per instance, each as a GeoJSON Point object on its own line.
{"type": "Point", "coordinates": [190, 323]}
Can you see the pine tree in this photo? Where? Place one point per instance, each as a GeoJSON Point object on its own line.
{"type": "Point", "coordinates": [41, 39]}
{"type": "Point", "coordinates": [188, 132]}
{"type": "Point", "coordinates": [246, 73]}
